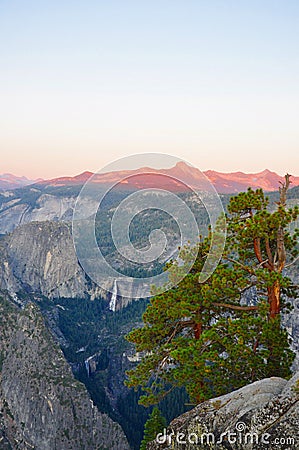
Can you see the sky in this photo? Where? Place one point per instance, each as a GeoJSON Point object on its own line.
{"type": "Point", "coordinates": [83, 83]}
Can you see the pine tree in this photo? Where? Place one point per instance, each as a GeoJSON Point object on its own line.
{"type": "Point", "coordinates": [208, 336]}
{"type": "Point", "coordinates": [154, 425]}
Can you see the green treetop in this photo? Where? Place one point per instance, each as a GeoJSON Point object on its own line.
{"type": "Point", "coordinates": [154, 425]}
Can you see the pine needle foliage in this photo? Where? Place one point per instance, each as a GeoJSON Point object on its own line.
{"type": "Point", "coordinates": [217, 336]}
{"type": "Point", "coordinates": [153, 426]}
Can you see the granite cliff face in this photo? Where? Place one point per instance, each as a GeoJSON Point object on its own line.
{"type": "Point", "coordinates": [42, 406]}
{"type": "Point", "coordinates": [17, 208]}
{"type": "Point", "coordinates": [40, 258]}
{"type": "Point", "coordinates": [263, 415]}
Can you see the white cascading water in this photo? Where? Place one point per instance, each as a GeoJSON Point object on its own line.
{"type": "Point", "coordinates": [112, 304]}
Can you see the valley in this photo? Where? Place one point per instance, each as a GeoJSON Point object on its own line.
{"type": "Point", "coordinates": [39, 266]}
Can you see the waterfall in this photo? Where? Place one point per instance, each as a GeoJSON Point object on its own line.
{"type": "Point", "coordinates": [112, 304]}
{"type": "Point", "coordinates": [87, 366]}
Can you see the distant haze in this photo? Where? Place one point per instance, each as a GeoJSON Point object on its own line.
{"type": "Point", "coordinates": [180, 177]}
{"type": "Point", "coordinates": [85, 83]}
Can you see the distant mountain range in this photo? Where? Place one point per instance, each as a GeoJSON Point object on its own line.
{"type": "Point", "coordinates": [229, 183]}
{"type": "Point", "coordinates": [9, 181]}
{"type": "Point", "coordinates": [225, 183]}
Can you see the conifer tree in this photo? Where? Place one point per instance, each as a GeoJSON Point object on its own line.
{"type": "Point", "coordinates": [154, 425]}
{"type": "Point", "coordinates": [216, 336]}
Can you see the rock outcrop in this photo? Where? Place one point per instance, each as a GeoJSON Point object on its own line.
{"type": "Point", "coordinates": [263, 415]}
{"type": "Point", "coordinates": [31, 204]}
{"type": "Point", "coordinates": [42, 406]}
{"type": "Point", "coordinates": [40, 258]}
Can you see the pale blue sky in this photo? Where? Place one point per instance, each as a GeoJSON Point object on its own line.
{"type": "Point", "coordinates": [85, 82]}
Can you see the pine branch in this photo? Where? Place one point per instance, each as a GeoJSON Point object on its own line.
{"type": "Point", "coordinates": [237, 307]}
{"type": "Point", "coordinates": [268, 250]}
{"type": "Point", "coordinates": [292, 262]}
{"type": "Point", "coordinates": [258, 253]}
{"type": "Point", "coordinates": [246, 268]}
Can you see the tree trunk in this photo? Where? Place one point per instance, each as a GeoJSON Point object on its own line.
{"type": "Point", "coordinates": [274, 299]}
{"type": "Point", "coordinates": [197, 330]}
